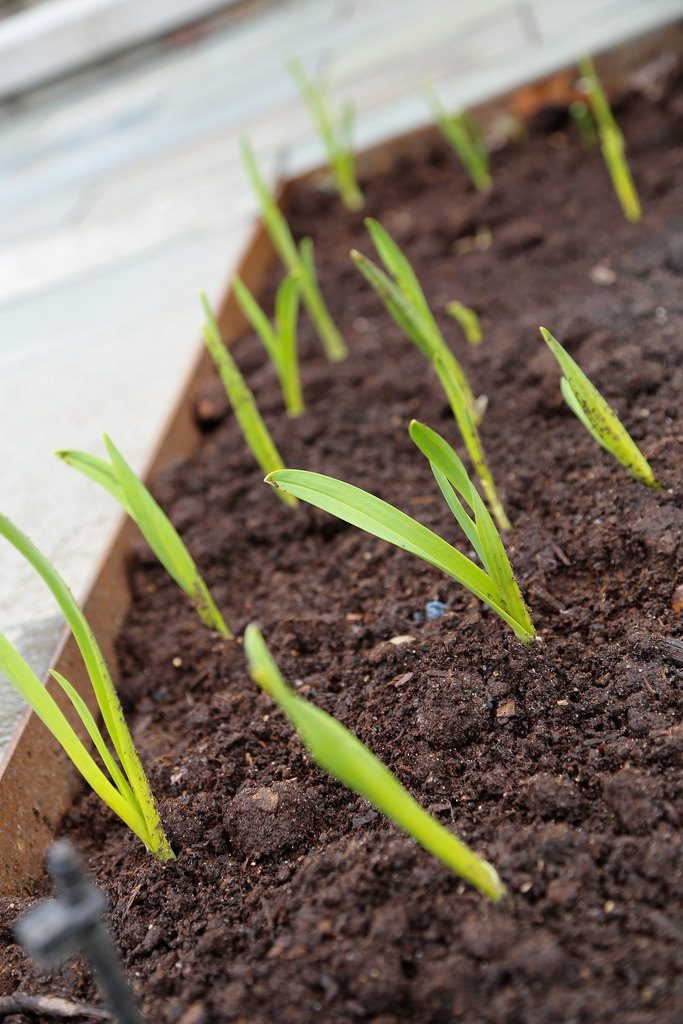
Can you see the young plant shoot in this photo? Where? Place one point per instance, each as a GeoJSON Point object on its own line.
{"type": "Point", "coordinates": [279, 339]}
{"type": "Point", "coordinates": [117, 477]}
{"type": "Point", "coordinates": [611, 142]}
{"type": "Point", "coordinates": [336, 138]}
{"type": "Point", "coordinates": [464, 135]}
{"type": "Point", "coordinates": [495, 584]}
{"type": "Point", "coordinates": [243, 403]}
{"type": "Point", "coordinates": [470, 436]}
{"type": "Point", "coordinates": [468, 320]}
{"type": "Point", "coordinates": [585, 124]}
{"type": "Point", "coordinates": [404, 299]}
{"type": "Point", "coordinates": [599, 419]}
{"type": "Point", "coordinates": [295, 259]}
{"type": "Point", "coordinates": [124, 787]}
{"type": "Point", "coordinates": [338, 752]}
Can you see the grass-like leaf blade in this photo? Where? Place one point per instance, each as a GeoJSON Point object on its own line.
{"type": "Point", "coordinates": [280, 338]}
{"type": "Point", "coordinates": [400, 308]}
{"type": "Point", "coordinates": [27, 684]}
{"type": "Point", "coordinates": [92, 729]}
{"type": "Point", "coordinates": [402, 294]}
{"type": "Point", "coordinates": [398, 265]}
{"type": "Point", "coordinates": [243, 403]}
{"type": "Point", "coordinates": [598, 417]}
{"type": "Point", "coordinates": [257, 318]}
{"type": "Point", "coordinates": [338, 752]}
{"type": "Point", "coordinates": [336, 138]}
{"type": "Point", "coordinates": [462, 411]}
{"type": "Point", "coordinates": [464, 135]}
{"type": "Point", "coordinates": [126, 487]}
{"type": "Point", "coordinates": [612, 142]}
{"type": "Point", "coordinates": [468, 320]}
{"type": "Point", "coordinates": [488, 544]}
{"type": "Point", "coordinates": [285, 246]}
{"type": "Point", "coordinates": [105, 692]}
{"type": "Point", "coordinates": [377, 517]}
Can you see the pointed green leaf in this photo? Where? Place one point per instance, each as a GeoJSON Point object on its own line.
{"type": "Point", "coordinates": [465, 522]}
{"type": "Point", "coordinates": [257, 318]}
{"type": "Point", "coordinates": [90, 725]}
{"type": "Point", "coordinates": [336, 138]}
{"type": "Point", "coordinates": [461, 408]}
{"type": "Point", "coordinates": [281, 237]}
{"type": "Point", "coordinates": [105, 692]}
{"type": "Point", "coordinates": [468, 320]}
{"type": "Point", "coordinates": [611, 142]}
{"type": "Point", "coordinates": [605, 425]}
{"type": "Point", "coordinates": [96, 469]}
{"type": "Point", "coordinates": [243, 403]}
{"type": "Point", "coordinates": [377, 517]}
{"type": "Point", "coordinates": [338, 752]}
{"type": "Point", "coordinates": [164, 540]}
{"type": "Point", "coordinates": [402, 311]}
{"type": "Point", "coordinates": [488, 544]}
{"type": "Point", "coordinates": [286, 315]}
{"type": "Point", "coordinates": [463, 133]}
{"type": "Point", "coordinates": [403, 274]}
{"type": "Point", "coordinates": [27, 684]}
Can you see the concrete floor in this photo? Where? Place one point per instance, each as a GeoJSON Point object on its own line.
{"type": "Point", "coordinates": [122, 194]}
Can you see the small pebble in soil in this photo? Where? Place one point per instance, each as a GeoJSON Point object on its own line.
{"type": "Point", "coordinates": [603, 274]}
{"type": "Point", "coordinates": [434, 610]}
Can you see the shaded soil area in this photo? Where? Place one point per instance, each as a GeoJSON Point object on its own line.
{"type": "Point", "coordinates": [293, 901]}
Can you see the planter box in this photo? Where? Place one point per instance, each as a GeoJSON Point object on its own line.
{"type": "Point", "coordinates": [36, 781]}
{"type": "Point", "coordinates": [555, 760]}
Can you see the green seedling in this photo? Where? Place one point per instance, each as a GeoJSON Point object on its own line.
{"type": "Point", "coordinates": [470, 436]}
{"type": "Point", "coordinates": [611, 142]}
{"type": "Point", "coordinates": [601, 422]}
{"type": "Point", "coordinates": [243, 403]}
{"type": "Point", "coordinates": [468, 320]}
{"type": "Point", "coordinates": [117, 477]}
{"type": "Point", "coordinates": [279, 339]}
{"type": "Point", "coordinates": [295, 259]}
{"type": "Point", "coordinates": [124, 788]}
{"type": "Point", "coordinates": [403, 297]}
{"type": "Point", "coordinates": [337, 138]}
{"type": "Point", "coordinates": [464, 134]}
{"type": "Point", "coordinates": [495, 584]}
{"type": "Point", "coordinates": [338, 752]}
{"type": "Point", "coordinates": [583, 120]}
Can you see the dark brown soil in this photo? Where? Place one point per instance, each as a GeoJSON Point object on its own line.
{"type": "Point", "coordinates": [293, 901]}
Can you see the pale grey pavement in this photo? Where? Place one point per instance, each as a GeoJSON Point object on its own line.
{"type": "Point", "coordinates": [122, 194]}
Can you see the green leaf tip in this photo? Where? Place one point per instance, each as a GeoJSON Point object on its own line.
{"type": "Point", "coordinates": [342, 755]}
{"type": "Point", "coordinates": [117, 477]}
{"type": "Point", "coordinates": [598, 417]}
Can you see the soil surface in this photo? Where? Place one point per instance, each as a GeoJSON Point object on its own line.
{"type": "Point", "coordinates": [292, 900]}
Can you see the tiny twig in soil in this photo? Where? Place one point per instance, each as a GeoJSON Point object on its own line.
{"type": "Point", "coordinates": [49, 1006]}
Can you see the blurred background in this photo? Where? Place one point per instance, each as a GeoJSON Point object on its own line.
{"type": "Point", "coordinates": [122, 194]}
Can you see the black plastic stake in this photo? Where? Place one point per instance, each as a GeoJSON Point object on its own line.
{"type": "Point", "coordinates": [73, 923]}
